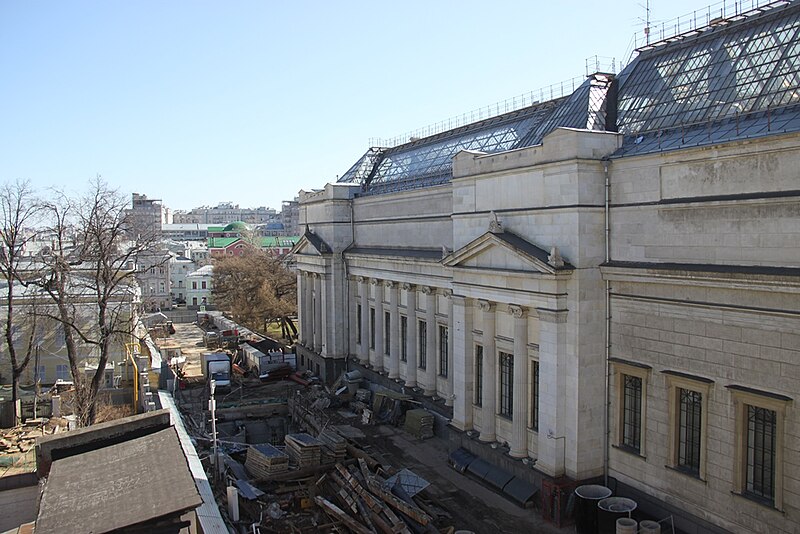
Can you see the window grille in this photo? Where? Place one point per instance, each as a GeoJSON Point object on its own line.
{"type": "Point", "coordinates": [372, 328]}
{"type": "Point", "coordinates": [689, 426]}
{"type": "Point", "coordinates": [443, 342]}
{"type": "Point", "coordinates": [403, 338]}
{"type": "Point", "coordinates": [387, 328]}
{"type": "Point", "coordinates": [535, 395]}
{"type": "Point", "coordinates": [506, 384]}
{"type": "Point", "coordinates": [760, 473]}
{"type": "Point", "coordinates": [422, 336]}
{"type": "Point", "coordinates": [632, 412]}
{"type": "Point", "coordinates": [478, 375]}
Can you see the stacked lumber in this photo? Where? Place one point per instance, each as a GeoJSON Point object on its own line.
{"type": "Point", "coordinates": [265, 461]}
{"type": "Point", "coordinates": [419, 423]}
{"type": "Point", "coordinates": [334, 447]}
{"type": "Point", "coordinates": [304, 449]}
{"type": "Point", "coordinates": [365, 507]}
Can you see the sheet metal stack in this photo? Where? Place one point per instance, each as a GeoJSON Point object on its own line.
{"type": "Point", "coordinates": [419, 423]}
{"type": "Point", "coordinates": [334, 447]}
{"type": "Point", "coordinates": [304, 449]}
{"type": "Point", "coordinates": [264, 461]}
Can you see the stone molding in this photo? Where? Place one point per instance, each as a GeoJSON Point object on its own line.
{"type": "Point", "coordinates": [390, 283]}
{"type": "Point", "coordinates": [373, 281]}
{"type": "Point", "coordinates": [448, 293]}
{"type": "Point", "coordinates": [428, 290]}
{"type": "Point", "coordinates": [552, 316]}
{"type": "Point", "coordinates": [361, 279]}
{"type": "Point", "coordinates": [407, 287]}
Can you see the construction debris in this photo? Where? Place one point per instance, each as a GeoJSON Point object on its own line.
{"type": "Point", "coordinates": [265, 461]}
{"type": "Point", "coordinates": [419, 423]}
{"type": "Point", "coordinates": [304, 450]}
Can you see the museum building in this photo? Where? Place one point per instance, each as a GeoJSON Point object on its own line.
{"type": "Point", "coordinates": [605, 285]}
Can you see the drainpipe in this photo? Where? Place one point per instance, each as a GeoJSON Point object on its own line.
{"type": "Point", "coordinates": [606, 419]}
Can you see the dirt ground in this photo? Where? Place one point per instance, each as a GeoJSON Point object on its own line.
{"type": "Point", "coordinates": [472, 506]}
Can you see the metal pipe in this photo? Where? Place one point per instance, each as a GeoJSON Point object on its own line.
{"type": "Point", "coordinates": [607, 385]}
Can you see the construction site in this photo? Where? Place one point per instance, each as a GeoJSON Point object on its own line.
{"type": "Point", "coordinates": [288, 454]}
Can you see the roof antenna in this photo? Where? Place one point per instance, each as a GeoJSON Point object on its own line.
{"type": "Point", "coordinates": [646, 21]}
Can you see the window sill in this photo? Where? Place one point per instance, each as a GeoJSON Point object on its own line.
{"type": "Point", "coordinates": [508, 418]}
{"type": "Point", "coordinates": [441, 376]}
{"type": "Point", "coordinates": [632, 452]}
{"type": "Point", "coordinates": [760, 502]}
{"type": "Point", "coordinates": [689, 474]}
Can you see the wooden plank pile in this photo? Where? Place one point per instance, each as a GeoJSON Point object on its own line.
{"type": "Point", "coordinates": [419, 423]}
{"type": "Point", "coordinates": [364, 506]}
{"type": "Point", "coordinates": [334, 447]}
{"type": "Point", "coordinates": [265, 461]}
{"type": "Point", "coordinates": [304, 449]}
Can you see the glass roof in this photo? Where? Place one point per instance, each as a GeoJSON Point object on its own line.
{"type": "Point", "coordinates": [428, 161]}
{"type": "Point", "coordinates": [728, 69]}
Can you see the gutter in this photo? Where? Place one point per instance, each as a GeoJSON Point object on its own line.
{"type": "Point", "coordinates": [607, 341]}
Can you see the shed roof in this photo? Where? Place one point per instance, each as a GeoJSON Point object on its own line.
{"type": "Point", "coordinates": [118, 486]}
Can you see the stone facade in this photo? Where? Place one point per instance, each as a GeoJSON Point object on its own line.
{"type": "Point", "coordinates": [600, 305]}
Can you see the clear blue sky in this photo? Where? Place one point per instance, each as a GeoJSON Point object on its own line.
{"type": "Point", "coordinates": [250, 101]}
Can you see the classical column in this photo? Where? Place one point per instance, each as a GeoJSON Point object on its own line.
{"type": "Point", "coordinates": [378, 352]}
{"type": "Point", "coordinates": [552, 391]}
{"type": "Point", "coordinates": [450, 338]}
{"type": "Point", "coordinates": [411, 335]}
{"type": "Point", "coordinates": [317, 312]}
{"type": "Point", "coordinates": [430, 341]}
{"type": "Point", "coordinates": [352, 307]}
{"type": "Point", "coordinates": [301, 301]}
{"type": "Point", "coordinates": [489, 382]}
{"type": "Point", "coordinates": [363, 289]}
{"type": "Point", "coordinates": [394, 331]}
{"type": "Point", "coordinates": [308, 335]}
{"type": "Point", "coordinates": [463, 363]}
{"type": "Point", "coordinates": [519, 426]}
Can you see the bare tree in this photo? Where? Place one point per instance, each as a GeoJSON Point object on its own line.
{"type": "Point", "coordinates": [256, 288]}
{"type": "Point", "coordinates": [90, 279]}
{"type": "Point", "coordinates": [18, 209]}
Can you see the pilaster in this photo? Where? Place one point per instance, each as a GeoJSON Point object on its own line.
{"type": "Point", "coordinates": [411, 339]}
{"type": "Point", "coordinates": [394, 331]}
{"type": "Point", "coordinates": [430, 341]}
{"type": "Point", "coordinates": [519, 434]}
{"type": "Point", "coordinates": [489, 401]}
{"type": "Point", "coordinates": [462, 370]}
{"type": "Point", "coordinates": [552, 391]}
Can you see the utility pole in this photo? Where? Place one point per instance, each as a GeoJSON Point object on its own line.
{"type": "Point", "coordinates": [212, 405]}
{"type": "Point", "coordinates": [38, 379]}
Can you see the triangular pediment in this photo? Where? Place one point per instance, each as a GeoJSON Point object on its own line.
{"type": "Point", "coordinates": [310, 244]}
{"type": "Point", "coordinates": [505, 251]}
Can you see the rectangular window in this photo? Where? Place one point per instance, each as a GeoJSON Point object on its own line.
{"type": "Point", "coordinates": [422, 337]}
{"type": "Point", "coordinates": [62, 372]}
{"type": "Point", "coordinates": [358, 324]}
{"type": "Point", "coordinates": [632, 412]}
{"type": "Point", "coordinates": [403, 338]}
{"type": "Point", "coordinates": [690, 415]}
{"type": "Point", "coordinates": [194, 285]}
{"type": "Point", "coordinates": [506, 384]}
{"type": "Point", "coordinates": [478, 375]}
{"type": "Point", "coordinates": [372, 328]}
{"type": "Point", "coordinates": [760, 454]}
{"type": "Point", "coordinates": [535, 395]}
{"type": "Point", "coordinates": [203, 284]}
{"type": "Point", "coordinates": [443, 349]}
{"type": "Point", "coordinates": [387, 328]}
{"type": "Point", "coordinates": [688, 422]}
{"type": "Point", "coordinates": [40, 375]}
{"type": "Point", "coordinates": [759, 445]}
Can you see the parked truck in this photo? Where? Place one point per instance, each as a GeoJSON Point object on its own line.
{"type": "Point", "coordinates": [217, 366]}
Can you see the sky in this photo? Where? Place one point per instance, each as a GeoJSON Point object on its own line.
{"type": "Point", "coordinates": [200, 102]}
